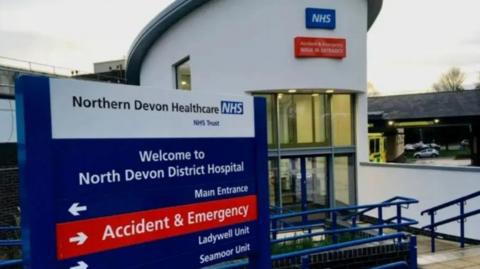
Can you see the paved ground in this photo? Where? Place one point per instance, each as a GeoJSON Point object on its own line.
{"type": "Point", "coordinates": [447, 161]}
{"type": "Point", "coordinates": [423, 245]}
{"type": "Point", "coordinates": [448, 255]}
{"type": "Point", "coordinates": [468, 258]}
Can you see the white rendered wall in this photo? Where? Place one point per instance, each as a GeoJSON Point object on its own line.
{"type": "Point", "coordinates": [361, 125]}
{"type": "Point", "coordinates": [430, 185]}
{"type": "Point", "coordinates": [8, 130]}
{"type": "Point", "coordinates": [244, 45]}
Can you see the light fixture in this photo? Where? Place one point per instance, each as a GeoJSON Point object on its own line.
{"type": "Point", "coordinates": [292, 91]}
{"type": "Point", "coordinates": [315, 94]}
{"type": "Point", "coordinates": [414, 123]}
{"type": "Point", "coordinates": [184, 82]}
{"type": "Point", "coordinates": [391, 122]}
{"type": "Point", "coordinates": [280, 95]}
{"type": "Point", "coordinates": [330, 91]}
{"type": "Point", "coordinates": [436, 121]}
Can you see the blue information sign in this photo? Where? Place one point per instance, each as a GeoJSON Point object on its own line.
{"type": "Point", "coordinates": [320, 18]}
{"type": "Point", "coordinates": [116, 176]}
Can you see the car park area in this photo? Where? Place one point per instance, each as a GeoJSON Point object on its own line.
{"type": "Point", "coordinates": [433, 154]}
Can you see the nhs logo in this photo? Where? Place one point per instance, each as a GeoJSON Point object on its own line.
{"type": "Point", "coordinates": [231, 107]}
{"type": "Point", "coordinates": [317, 18]}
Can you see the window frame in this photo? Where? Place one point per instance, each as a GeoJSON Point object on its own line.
{"type": "Point", "coordinates": [175, 68]}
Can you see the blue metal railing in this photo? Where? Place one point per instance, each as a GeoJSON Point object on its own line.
{"type": "Point", "coordinates": [10, 243]}
{"type": "Point", "coordinates": [395, 265]}
{"type": "Point", "coordinates": [394, 199]}
{"type": "Point", "coordinates": [462, 217]}
{"type": "Point", "coordinates": [5, 263]}
{"type": "Point", "coordinates": [397, 222]}
{"type": "Point", "coordinates": [279, 224]}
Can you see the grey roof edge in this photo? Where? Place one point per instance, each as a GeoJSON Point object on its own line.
{"type": "Point", "coordinates": [406, 95]}
{"type": "Point", "coordinates": [449, 104]}
{"type": "Point", "coordinates": [174, 13]}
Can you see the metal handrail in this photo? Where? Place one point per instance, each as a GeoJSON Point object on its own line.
{"type": "Point", "coordinates": [461, 217]}
{"type": "Point", "coordinates": [395, 265]}
{"type": "Point", "coordinates": [7, 243]}
{"type": "Point", "coordinates": [338, 209]}
{"type": "Point", "coordinates": [10, 243]}
{"type": "Point", "coordinates": [443, 222]}
{"type": "Point", "coordinates": [453, 202]}
{"type": "Point", "coordinates": [9, 228]}
{"type": "Point", "coordinates": [298, 227]}
{"type": "Point", "coordinates": [397, 201]}
{"type": "Point", "coordinates": [342, 230]}
{"type": "Point", "coordinates": [397, 222]}
{"type": "Point", "coordinates": [280, 209]}
{"type": "Point", "coordinates": [401, 198]}
{"type": "Point", "coordinates": [5, 263]}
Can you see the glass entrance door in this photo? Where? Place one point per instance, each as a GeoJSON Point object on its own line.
{"type": "Point", "coordinates": [303, 183]}
{"type": "Point", "coordinates": [291, 184]}
{"type": "Point", "coordinates": [317, 183]}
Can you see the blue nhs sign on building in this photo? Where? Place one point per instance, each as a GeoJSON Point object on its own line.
{"type": "Point", "coordinates": [318, 18]}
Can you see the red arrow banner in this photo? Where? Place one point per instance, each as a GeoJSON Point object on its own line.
{"type": "Point", "coordinates": [107, 233]}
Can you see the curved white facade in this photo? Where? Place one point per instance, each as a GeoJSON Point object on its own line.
{"type": "Point", "coordinates": [248, 45]}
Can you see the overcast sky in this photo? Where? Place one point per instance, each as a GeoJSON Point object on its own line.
{"type": "Point", "coordinates": [410, 45]}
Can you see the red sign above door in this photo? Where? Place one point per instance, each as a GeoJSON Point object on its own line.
{"type": "Point", "coordinates": [320, 47]}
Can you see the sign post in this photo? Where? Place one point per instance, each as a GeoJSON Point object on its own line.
{"type": "Point", "coordinates": [116, 176]}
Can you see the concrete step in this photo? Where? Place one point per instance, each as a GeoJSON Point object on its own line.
{"type": "Point", "coordinates": [467, 258]}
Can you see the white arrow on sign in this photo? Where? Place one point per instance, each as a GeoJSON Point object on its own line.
{"type": "Point", "coordinates": [75, 209]}
{"type": "Point", "coordinates": [79, 239]}
{"type": "Point", "coordinates": [80, 265]}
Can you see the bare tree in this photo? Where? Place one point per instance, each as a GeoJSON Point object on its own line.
{"type": "Point", "coordinates": [450, 81]}
{"type": "Point", "coordinates": [371, 90]}
{"type": "Point", "coordinates": [477, 86]}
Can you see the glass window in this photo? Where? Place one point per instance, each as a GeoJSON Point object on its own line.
{"type": "Point", "coordinates": [342, 120]}
{"type": "Point", "coordinates": [183, 80]}
{"type": "Point", "coordinates": [302, 120]}
{"type": "Point", "coordinates": [287, 118]}
{"type": "Point", "coordinates": [321, 118]}
{"type": "Point", "coordinates": [311, 120]}
{"type": "Point", "coordinates": [303, 109]}
{"type": "Point", "coordinates": [344, 181]}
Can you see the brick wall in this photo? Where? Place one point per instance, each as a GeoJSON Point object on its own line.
{"type": "Point", "coordinates": [9, 196]}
